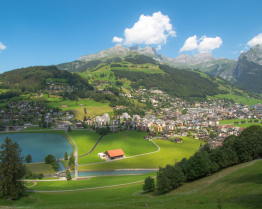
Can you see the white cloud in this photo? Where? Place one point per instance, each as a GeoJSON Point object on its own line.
{"type": "Point", "coordinates": [240, 45]}
{"type": "Point", "coordinates": [256, 40]}
{"type": "Point", "coordinates": [235, 52]}
{"type": "Point", "coordinates": [190, 44]}
{"type": "Point", "coordinates": [153, 29]}
{"type": "Point", "coordinates": [2, 46]}
{"type": "Point", "coordinates": [117, 39]}
{"type": "Point", "coordinates": [204, 44]}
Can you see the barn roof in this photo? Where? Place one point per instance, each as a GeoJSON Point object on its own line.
{"type": "Point", "coordinates": [115, 153]}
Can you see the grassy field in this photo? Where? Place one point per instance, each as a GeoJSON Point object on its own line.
{"type": "Point", "coordinates": [233, 120]}
{"type": "Point", "coordinates": [91, 111]}
{"type": "Point", "coordinates": [52, 98]}
{"type": "Point", "coordinates": [40, 168]}
{"type": "Point", "coordinates": [245, 125]}
{"type": "Point", "coordinates": [169, 153]}
{"type": "Point", "coordinates": [93, 108]}
{"type": "Point", "coordinates": [84, 140]}
{"type": "Point", "coordinates": [73, 104]}
{"type": "Point", "coordinates": [131, 142]}
{"type": "Point", "coordinates": [89, 183]}
{"type": "Point", "coordinates": [243, 100]}
{"type": "Point", "coordinates": [237, 187]}
{"type": "Point", "coordinates": [35, 128]}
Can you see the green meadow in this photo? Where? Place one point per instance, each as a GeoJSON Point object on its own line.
{"type": "Point", "coordinates": [243, 100]}
{"type": "Point", "coordinates": [131, 142]}
{"type": "Point", "coordinates": [73, 104]}
{"type": "Point", "coordinates": [236, 187]}
{"type": "Point", "coordinates": [84, 140]}
{"type": "Point", "coordinates": [40, 168]}
{"type": "Point", "coordinates": [233, 121]}
{"type": "Point", "coordinates": [170, 152]}
{"type": "Point", "coordinates": [89, 183]}
{"type": "Point", "coordinates": [245, 125]}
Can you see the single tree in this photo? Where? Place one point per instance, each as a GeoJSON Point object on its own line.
{"type": "Point", "coordinates": [71, 159]}
{"type": "Point", "coordinates": [149, 184]}
{"type": "Point", "coordinates": [68, 175]}
{"type": "Point", "coordinates": [12, 170]}
{"type": "Point", "coordinates": [28, 158]}
{"type": "Point", "coordinates": [66, 156]}
{"type": "Point", "coordinates": [55, 166]}
{"type": "Point", "coordinates": [49, 159]}
{"type": "Point", "coordinates": [69, 129]}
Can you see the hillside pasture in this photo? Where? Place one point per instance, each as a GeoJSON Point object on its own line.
{"type": "Point", "coordinates": [84, 139]}
{"type": "Point", "coordinates": [170, 152]}
{"type": "Point", "coordinates": [243, 100]}
{"type": "Point", "coordinates": [245, 125]}
{"type": "Point", "coordinates": [91, 111]}
{"type": "Point", "coordinates": [131, 142]}
{"type": "Point", "coordinates": [233, 121]}
{"type": "Point", "coordinates": [76, 104]}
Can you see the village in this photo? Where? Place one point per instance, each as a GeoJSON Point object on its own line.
{"type": "Point", "coordinates": [169, 119]}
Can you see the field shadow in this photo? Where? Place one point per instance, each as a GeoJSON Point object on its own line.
{"type": "Point", "coordinates": [252, 201]}
{"type": "Point", "coordinates": [250, 178]}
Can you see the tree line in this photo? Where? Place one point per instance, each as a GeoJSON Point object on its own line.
{"type": "Point", "coordinates": [235, 149]}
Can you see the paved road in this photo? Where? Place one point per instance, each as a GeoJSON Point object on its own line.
{"type": "Point", "coordinates": [76, 157]}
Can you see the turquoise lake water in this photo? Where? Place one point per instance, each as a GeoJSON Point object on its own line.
{"type": "Point", "coordinates": [39, 145]}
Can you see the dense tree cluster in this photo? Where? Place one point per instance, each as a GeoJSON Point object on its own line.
{"type": "Point", "coordinates": [12, 170]}
{"type": "Point", "coordinates": [50, 159]}
{"type": "Point", "coordinates": [236, 149]}
{"type": "Point", "coordinates": [176, 82]}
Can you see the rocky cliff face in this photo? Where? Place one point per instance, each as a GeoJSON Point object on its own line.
{"type": "Point", "coordinates": [121, 51]}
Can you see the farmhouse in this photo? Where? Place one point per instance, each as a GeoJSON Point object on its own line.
{"type": "Point", "coordinates": [113, 154]}
{"type": "Point", "coordinates": [64, 106]}
{"type": "Point", "coordinates": [178, 140]}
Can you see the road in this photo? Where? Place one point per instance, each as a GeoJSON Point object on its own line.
{"type": "Point", "coordinates": [76, 157]}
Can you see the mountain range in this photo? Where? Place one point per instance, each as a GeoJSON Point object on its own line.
{"type": "Point", "coordinates": [245, 72]}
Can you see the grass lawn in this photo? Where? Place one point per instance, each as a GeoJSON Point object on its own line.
{"type": "Point", "coordinates": [237, 187]}
{"type": "Point", "coordinates": [84, 140]}
{"type": "Point", "coordinates": [170, 153]}
{"type": "Point", "coordinates": [243, 100]}
{"type": "Point", "coordinates": [40, 168]}
{"type": "Point", "coordinates": [131, 142]}
{"type": "Point", "coordinates": [73, 104]}
{"type": "Point", "coordinates": [245, 125]}
{"type": "Point", "coordinates": [35, 128]}
{"type": "Point", "coordinates": [91, 111]}
{"type": "Point", "coordinates": [233, 120]}
{"type": "Point", "coordinates": [89, 183]}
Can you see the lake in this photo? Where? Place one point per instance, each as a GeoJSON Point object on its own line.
{"type": "Point", "coordinates": [39, 145]}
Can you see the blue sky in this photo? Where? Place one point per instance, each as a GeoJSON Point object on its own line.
{"type": "Point", "coordinates": [52, 32]}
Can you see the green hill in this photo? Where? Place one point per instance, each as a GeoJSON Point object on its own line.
{"type": "Point", "coordinates": [32, 79]}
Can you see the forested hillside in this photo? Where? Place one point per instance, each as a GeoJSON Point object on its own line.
{"type": "Point", "coordinates": [176, 82]}
{"type": "Point", "coordinates": [32, 79]}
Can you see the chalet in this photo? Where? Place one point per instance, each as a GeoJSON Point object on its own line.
{"type": "Point", "coordinates": [64, 106]}
{"type": "Point", "coordinates": [151, 134]}
{"type": "Point", "coordinates": [113, 128]}
{"type": "Point", "coordinates": [142, 127]}
{"type": "Point", "coordinates": [178, 140]}
{"type": "Point", "coordinates": [114, 154]}
{"type": "Point", "coordinates": [6, 121]}
{"type": "Point", "coordinates": [89, 122]}
{"type": "Point", "coordinates": [79, 125]}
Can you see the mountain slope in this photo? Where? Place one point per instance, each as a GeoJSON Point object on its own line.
{"type": "Point", "coordinates": [32, 79]}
